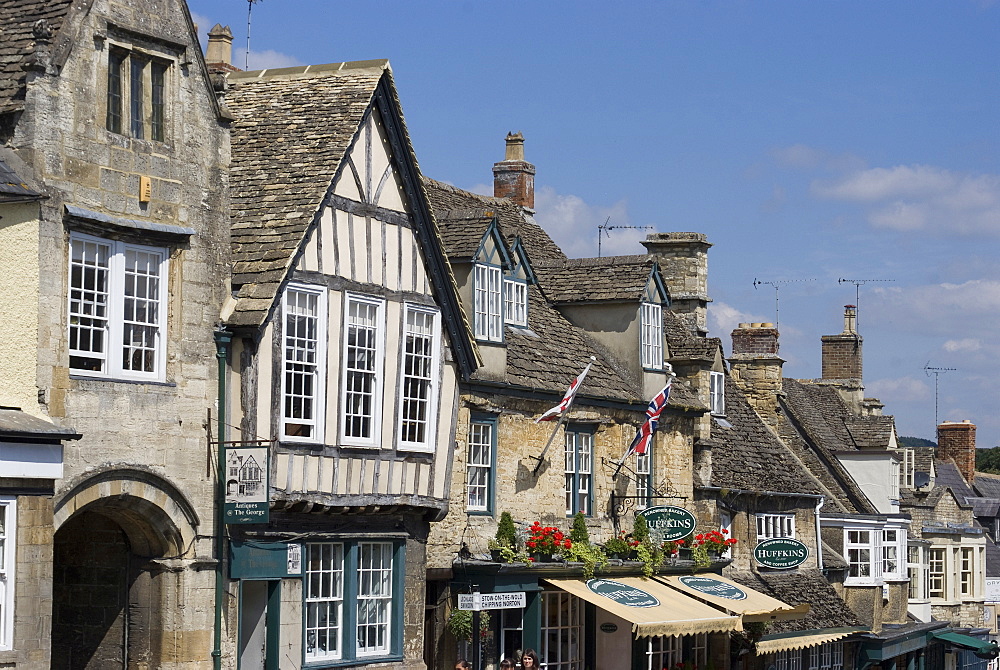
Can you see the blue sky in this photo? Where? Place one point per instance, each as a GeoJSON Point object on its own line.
{"type": "Point", "coordinates": [811, 141]}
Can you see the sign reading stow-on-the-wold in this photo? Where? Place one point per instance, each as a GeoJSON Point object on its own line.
{"type": "Point", "coordinates": [667, 522]}
{"type": "Point", "coordinates": [491, 601]}
{"type": "Point", "coordinates": [780, 553]}
{"type": "Point", "coordinates": [714, 587]}
{"type": "Point", "coordinates": [623, 594]}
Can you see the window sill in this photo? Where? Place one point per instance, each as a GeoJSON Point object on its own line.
{"type": "Point", "coordinates": [363, 660]}
{"type": "Point", "coordinates": [80, 376]}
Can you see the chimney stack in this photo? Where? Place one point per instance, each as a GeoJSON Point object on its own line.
{"type": "Point", "coordinates": [514, 177]}
{"type": "Point", "coordinates": [219, 54]}
{"type": "Point", "coordinates": [756, 367]}
{"type": "Point", "coordinates": [842, 353]}
{"type": "Point", "coordinates": [957, 441]}
{"type": "Point", "coordinates": [683, 261]}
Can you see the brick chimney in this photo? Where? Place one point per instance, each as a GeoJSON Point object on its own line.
{"type": "Point", "coordinates": [756, 367]}
{"type": "Point", "coordinates": [219, 54]}
{"type": "Point", "coordinates": [842, 353]}
{"type": "Point", "coordinates": [957, 441]}
{"type": "Point", "coordinates": [514, 177]}
{"type": "Point", "coordinates": [683, 261]}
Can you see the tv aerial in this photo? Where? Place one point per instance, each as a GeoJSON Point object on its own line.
{"type": "Point", "coordinates": [603, 229]}
{"type": "Point", "coordinates": [777, 284]}
{"type": "Point", "coordinates": [857, 294]}
{"type": "Point", "coordinates": [937, 372]}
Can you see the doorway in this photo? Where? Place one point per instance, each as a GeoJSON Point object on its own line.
{"type": "Point", "coordinates": [260, 609]}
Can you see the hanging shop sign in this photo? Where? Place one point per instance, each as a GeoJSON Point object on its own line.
{"type": "Point", "coordinates": [623, 594]}
{"type": "Point", "coordinates": [246, 485]}
{"type": "Point", "coordinates": [668, 523]}
{"type": "Point", "coordinates": [714, 587]}
{"type": "Point", "coordinates": [264, 560]}
{"type": "Point", "coordinates": [780, 553]}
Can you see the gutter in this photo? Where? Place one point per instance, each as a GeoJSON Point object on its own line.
{"type": "Point", "coordinates": [815, 496]}
{"type": "Point", "coordinates": [222, 341]}
{"type": "Point", "coordinates": [819, 537]}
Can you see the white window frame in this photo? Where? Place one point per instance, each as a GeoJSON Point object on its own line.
{"type": "Point", "coordinates": [717, 392]}
{"type": "Point", "coordinates": [966, 571]}
{"type": "Point", "coordinates": [579, 484]}
{"type": "Point", "coordinates": [324, 591]}
{"type": "Point", "coordinates": [909, 467]}
{"type": "Point", "coordinates": [8, 548]}
{"type": "Point", "coordinates": [937, 573]}
{"type": "Point", "coordinates": [827, 656]}
{"type": "Point", "coordinates": [116, 309]}
{"type": "Point", "coordinates": [651, 336]}
{"type": "Point", "coordinates": [301, 347]}
{"type": "Point", "coordinates": [726, 528]}
{"type": "Point", "coordinates": [770, 526]}
{"type": "Point", "coordinates": [515, 302]}
{"type": "Point", "coordinates": [479, 465]}
{"type": "Point", "coordinates": [643, 477]}
{"type": "Point", "coordinates": [917, 572]}
{"type": "Point", "coordinates": [488, 302]}
{"type": "Point", "coordinates": [376, 370]}
{"type": "Point", "coordinates": [893, 546]}
{"type": "Point", "coordinates": [790, 659]}
{"type": "Point", "coordinates": [868, 567]}
{"type": "Point", "coordinates": [416, 369]}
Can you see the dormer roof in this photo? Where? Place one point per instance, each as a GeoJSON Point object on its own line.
{"type": "Point", "coordinates": [608, 279]}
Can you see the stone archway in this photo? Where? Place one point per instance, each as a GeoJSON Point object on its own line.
{"type": "Point", "coordinates": [114, 528]}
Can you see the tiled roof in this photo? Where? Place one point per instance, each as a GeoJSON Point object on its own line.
{"type": "Point", "coordinates": [949, 475]}
{"type": "Point", "coordinates": [463, 231]}
{"type": "Point", "coordinates": [923, 458]}
{"type": "Point", "coordinates": [992, 559]}
{"type": "Point", "coordinates": [17, 42]}
{"type": "Point", "coordinates": [987, 485]}
{"type": "Point", "coordinates": [750, 457]}
{"type": "Point", "coordinates": [595, 279]}
{"type": "Point", "coordinates": [832, 559]}
{"type": "Point", "coordinates": [870, 432]}
{"type": "Point", "coordinates": [795, 587]}
{"type": "Point", "coordinates": [682, 345]}
{"type": "Point", "coordinates": [293, 127]}
{"type": "Point", "coordinates": [450, 202]}
{"type": "Point", "coordinates": [13, 187]}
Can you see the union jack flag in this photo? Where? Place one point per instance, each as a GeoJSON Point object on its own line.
{"type": "Point", "coordinates": [645, 435]}
{"type": "Point", "coordinates": [568, 398]}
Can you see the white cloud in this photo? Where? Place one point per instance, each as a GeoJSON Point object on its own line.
{"type": "Point", "coordinates": [901, 389]}
{"type": "Point", "coordinates": [920, 197]}
{"type": "Point", "coordinates": [572, 223]}
{"type": "Point", "coordinates": [965, 345]}
{"type": "Point", "coordinates": [971, 309]}
{"type": "Point", "coordinates": [723, 319]}
{"type": "Point", "coordinates": [202, 24]}
{"type": "Point", "coordinates": [262, 60]}
{"type": "Point", "coordinates": [804, 157]}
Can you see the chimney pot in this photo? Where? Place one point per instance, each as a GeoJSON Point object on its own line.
{"type": "Point", "coordinates": [219, 54]}
{"type": "Point", "coordinates": [513, 177]}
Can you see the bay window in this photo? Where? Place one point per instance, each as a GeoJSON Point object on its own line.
{"type": "Point", "coordinates": [117, 309]}
{"type": "Point", "coordinates": [862, 552]}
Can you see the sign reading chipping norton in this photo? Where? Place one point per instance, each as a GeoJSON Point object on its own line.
{"type": "Point", "coordinates": [668, 523]}
{"type": "Point", "coordinates": [714, 587]}
{"type": "Point", "coordinates": [491, 601]}
{"type": "Point", "coordinates": [622, 594]}
{"type": "Point", "coordinates": [246, 485]}
{"type": "Point", "coordinates": [780, 553]}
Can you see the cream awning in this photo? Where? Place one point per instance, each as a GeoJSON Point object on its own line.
{"type": "Point", "coordinates": [736, 598]}
{"type": "Point", "coordinates": [651, 607]}
{"type": "Point", "coordinates": [801, 639]}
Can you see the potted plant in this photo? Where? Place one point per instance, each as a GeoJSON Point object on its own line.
{"type": "Point", "coordinates": [715, 542]}
{"type": "Point", "coordinates": [505, 538]}
{"type": "Point", "coordinates": [579, 533]}
{"type": "Point", "coordinates": [459, 624]}
{"type": "Point", "coordinates": [672, 549]}
{"type": "Point", "coordinates": [591, 556]}
{"type": "Point", "coordinates": [618, 546]}
{"type": "Point", "coordinates": [545, 541]}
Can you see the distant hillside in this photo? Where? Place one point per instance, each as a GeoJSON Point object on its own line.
{"type": "Point", "coordinates": [988, 460]}
{"type": "Point", "coordinates": [915, 442]}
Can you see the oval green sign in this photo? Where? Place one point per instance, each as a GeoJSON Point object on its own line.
{"type": "Point", "coordinates": [668, 523]}
{"type": "Point", "coordinates": [714, 587]}
{"type": "Point", "coordinates": [622, 594]}
{"type": "Point", "coordinates": [780, 553]}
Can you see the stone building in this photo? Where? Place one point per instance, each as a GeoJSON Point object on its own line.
{"type": "Point", "coordinates": [113, 265]}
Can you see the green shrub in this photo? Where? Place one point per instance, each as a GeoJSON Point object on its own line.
{"type": "Point", "coordinates": [579, 533]}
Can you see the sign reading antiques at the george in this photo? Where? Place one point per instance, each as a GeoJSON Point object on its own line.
{"type": "Point", "coordinates": [246, 485]}
{"type": "Point", "coordinates": [780, 553]}
{"type": "Point", "coordinates": [668, 523]}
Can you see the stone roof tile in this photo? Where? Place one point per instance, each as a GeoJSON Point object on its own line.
{"type": "Point", "coordinates": [17, 19]}
{"type": "Point", "coordinates": [795, 587]}
{"type": "Point", "coordinates": [611, 278]}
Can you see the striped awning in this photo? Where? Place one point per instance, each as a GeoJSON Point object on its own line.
{"type": "Point", "coordinates": [735, 598]}
{"type": "Point", "coordinates": [803, 639]}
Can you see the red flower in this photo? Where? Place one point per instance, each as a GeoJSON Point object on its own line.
{"type": "Point", "coordinates": [699, 536]}
{"type": "Point", "coordinates": [725, 532]}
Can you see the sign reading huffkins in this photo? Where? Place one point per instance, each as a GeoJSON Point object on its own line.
{"type": "Point", "coordinates": [780, 553]}
{"type": "Point", "coordinates": [668, 523]}
{"type": "Point", "coordinates": [246, 485]}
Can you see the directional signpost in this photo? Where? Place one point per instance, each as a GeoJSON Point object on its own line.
{"type": "Point", "coordinates": [477, 602]}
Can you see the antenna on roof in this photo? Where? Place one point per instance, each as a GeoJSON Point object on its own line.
{"type": "Point", "coordinates": [937, 372]}
{"type": "Point", "coordinates": [857, 295]}
{"type": "Point", "coordinates": [603, 229]}
{"type": "Point", "coordinates": [246, 60]}
{"type": "Point", "coordinates": [776, 284]}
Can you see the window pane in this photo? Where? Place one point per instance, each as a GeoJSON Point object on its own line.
{"type": "Point", "coordinates": [141, 310]}
{"type": "Point", "coordinates": [374, 597]}
{"type": "Point", "coordinates": [479, 465]}
{"type": "Point", "coordinates": [651, 336]}
{"type": "Point", "coordinates": [418, 377]}
{"type": "Point", "coordinates": [360, 371]}
{"type": "Point", "coordinates": [158, 73]}
{"type": "Point", "coordinates": [136, 67]}
{"type": "Point", "coordinates": [116, 61]}
{"type": "Point", "coordinates": [88, 304]}
{"type": "Point", "coordinates": [324, 585]}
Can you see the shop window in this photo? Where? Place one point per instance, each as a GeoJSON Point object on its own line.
{"type": "Point", "coordinates": [651, 336]}
{"type": "Point", "coordinates": [775, 525]}
{"type": "Point", "coordinates": [419, 378]}
{"type": "Point", "coordinates": [668, 651]}
{"type": "Point", "coordinates": [828, 656]}
{"type": "Point", "coordinates": [479, 467]}
{"type": "Point", "coordinates": [364, 357]}
{"type": "Point", "coordinates": [304, 355]}
{"type": "Point", "coordinates": [117, 309]}
{"type": "Point", "coordinates": [579, 470]}
{"type": "Point", "coordinates": [488, 305]}
{"type": "Point", "coordinates": [352, 601]}
{"type": "Point", "coordinates": [788, 660]}
{"type": "Point", "coordinates": [562, 631]}
{"type": "Point", "coordinates": [8, 527]}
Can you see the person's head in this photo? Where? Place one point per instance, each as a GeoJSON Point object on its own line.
{"type": "Point", "coordinates": [462, 664]}
{"type": "Point", "coordinates": [530, 660]}
{"type": "Point", "coordinates": [506, 664]}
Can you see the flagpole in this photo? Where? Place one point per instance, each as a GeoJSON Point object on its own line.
{"type": "Point", "coordinates": [671, 375]}
{"type": "Point", "coordinates": [562, 415]}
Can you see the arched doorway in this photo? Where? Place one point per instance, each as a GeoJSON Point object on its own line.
{"type": "Point", "coordinates": [117, 533]}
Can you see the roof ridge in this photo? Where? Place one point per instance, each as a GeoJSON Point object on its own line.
{"type": "Point", "coordinates": [315, 70]}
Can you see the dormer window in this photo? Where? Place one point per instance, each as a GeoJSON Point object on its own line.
{"type": "Point", "coordinates": [909, 467]}
{"type": "Point", "coordinates": [717, 392]}
{"type": "Point", "coordinates": [136, 100]}
{"type": "Point", "coordinates": [515, 302]}
{"type": "Point", "coordinates": [488, 303]}
{"type": "Point", "coordinates": [651, 336]}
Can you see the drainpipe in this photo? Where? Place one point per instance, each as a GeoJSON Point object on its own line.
{"type": "Point", "coordinates": [819, 537]}
{"type": "Point", "coordinates": [222, 342]}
